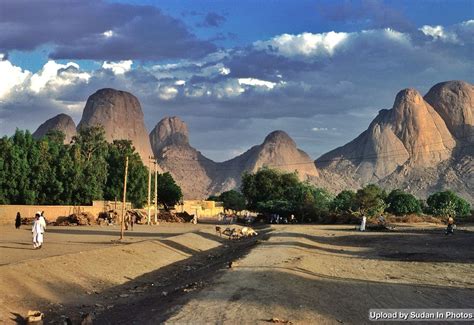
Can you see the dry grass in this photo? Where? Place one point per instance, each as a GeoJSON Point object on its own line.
{"type": "Point", "coordinates": [413, 218]}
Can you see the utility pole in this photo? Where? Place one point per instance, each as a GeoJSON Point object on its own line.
{"type": "Point", "coordinates": [122, 226]}
{"type": "Point", "coordinates": [156, 193]}
{"type": "Point", "coordinates": [149, 190]}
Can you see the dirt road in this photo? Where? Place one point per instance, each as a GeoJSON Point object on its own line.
{"type": "Point", "coordinates": [303, 274]}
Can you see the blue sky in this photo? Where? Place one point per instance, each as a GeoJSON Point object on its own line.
{"type": "Point", "coordinates": [233, 71]}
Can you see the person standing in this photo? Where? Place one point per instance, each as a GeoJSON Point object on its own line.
{"type": "Point", "coordinates": [18, 220]}
{"type": "Point", "coordinates": [363, 223]}
{"type": "Point", "coordinates": [450, 228]}
{"type": "Point", "coordinates": [38, 229]}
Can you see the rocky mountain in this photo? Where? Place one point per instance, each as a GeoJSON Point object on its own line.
{"type": "Point", "coordinates": [454, 102]}
{"type": "Point", "coordinates": [199, 176]}
{"type": "Point", "coordinates": [61, 122]}
{"type": "Point", "coordinates": [416, 145]}
{"type": "Point", "coordinates": [190, 169]}
{"type": "Point", "coordinates": [277, 151]}
{"type": "Point", "coordinates": [421, 144]}
{"type": "Point", "coordinates": [120, 114]}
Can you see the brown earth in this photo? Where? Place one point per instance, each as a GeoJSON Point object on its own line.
{"type": "Point", "coordinates": [304, 274]}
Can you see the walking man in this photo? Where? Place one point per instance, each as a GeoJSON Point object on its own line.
{"type": "Point", "coordinates": [39, 227]}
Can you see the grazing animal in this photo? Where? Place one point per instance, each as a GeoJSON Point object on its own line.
{"type": "Point", "coordinates": [219, 230]}
{"type": "Point", "coordinates": [228, 232]}
{"type": "Point", "coordinates": [248, 232]}
{"type": "Point", "coordinates": [237, 233]}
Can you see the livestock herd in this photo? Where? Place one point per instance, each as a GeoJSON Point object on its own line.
{"type": "Point", "coordinates": [236, 233]}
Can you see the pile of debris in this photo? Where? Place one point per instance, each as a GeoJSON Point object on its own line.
{"type": "Point", "coordinates": [167, 216]}
{"type": "Point", "coordinates": [108, 218]}
{"type": "Point", "coordinates": [185, 216]}
{"type": "Point", "coordinates": [76, 219]}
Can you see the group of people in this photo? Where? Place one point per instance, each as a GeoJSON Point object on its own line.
{"type": "Point", "coordinates": [38, 229]}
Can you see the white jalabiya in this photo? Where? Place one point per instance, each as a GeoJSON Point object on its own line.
{"type": "Point", "coordinates": [362, 225]}
{"type": "Point", "coordinates": [38, 230]}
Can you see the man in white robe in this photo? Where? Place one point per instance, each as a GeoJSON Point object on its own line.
{"type": "Point", "coordinates": [39, 226]}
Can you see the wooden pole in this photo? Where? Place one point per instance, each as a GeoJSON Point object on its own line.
{"type": "Point", "coordinates": [156, 193]}
{"type": "Point", "coordinates": [122, 226]}
{"type": "Point", "coordinates": [149, 190]}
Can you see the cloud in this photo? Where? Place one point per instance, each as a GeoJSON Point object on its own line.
{"type": "Point", "coordinates": [54, 75]}
{"type": "Point", "coordinates": [212, 19]}
{"type": "Point", "coordinates": [119, 67]}
{"type": "Point", "coordinates": [374, 14]}
{"type": "Point", "coordinates": [438, 32]}
{"type": "Point", "coordinates": [12, 76]}
{"type": "Point", "coordinates": [97, 30]}
{"type": "Point", "coordinates": [256, 83]}
{"type": "Point", "coordinates": [305, 44]}
{"type": "Point", "coordinates": [320, 89]}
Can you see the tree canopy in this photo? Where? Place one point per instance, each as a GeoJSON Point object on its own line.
{"type": "Point", "coordinates": [448, 204]}
{"type": "Point", "coordinates": [46, 171]}
{"type": "Point", "coordinates": [232, 200]}
{"type": "Point", "coordinates": [401, 203]}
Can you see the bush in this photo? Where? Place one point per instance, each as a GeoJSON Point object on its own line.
{"type": "Point", "coordinates": [401, 203]}
{"type": "Point", "coordinates": [448, 204]}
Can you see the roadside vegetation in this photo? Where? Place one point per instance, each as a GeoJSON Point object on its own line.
{"type": "Point", "coordinates": [47, 171]}
{"type": "Point", "coordinates": [269, 191]}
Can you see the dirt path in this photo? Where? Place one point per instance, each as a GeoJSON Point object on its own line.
{"type": "Point", "coordinates": [317, 275]}
{"type": "Point", "coordinates": [304, 274]}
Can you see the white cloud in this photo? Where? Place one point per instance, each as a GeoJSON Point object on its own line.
{"type": "Point", "coordinates": [54, 75]}
{"type": "Point", "coordinates": [11, 76]}
{"type": "Point", "coordinates": [108, 33]}
{"type": "Point", "coordinates": [439, 32]}
{"type": "Point", "coordinates": [256, 82]}
{"type": "Point", "coordinates": [167, 93]}
{"type": "Point", "coordinates": [119, 67]}
{"type": "Point", "coordinates": [316, 129]}
{"type": "Point", "coordinates": [224, 71]}
{"type": "Point", "coordinates": [305, 44]}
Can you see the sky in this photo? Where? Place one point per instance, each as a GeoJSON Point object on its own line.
{"type": "Point", "coordinates": [232, 70]}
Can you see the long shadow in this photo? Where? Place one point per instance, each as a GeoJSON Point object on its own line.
{"type": "Point", "coordinates": [292, 290]}
{"type": "Point", "coordinates": [405, 246]}
{"type": "Point", "coordinates": [129, 233]}
{"type": "Point", "coordinates": [298, 291]}
{"type": "Point", "coordinates": [18, 319]}
{"type": "Point", "coordinates": [178, 247]}
{"type": "Point", "coordinates": [10, 247]}
{"type": "Point", "coordinates": [161, 288]}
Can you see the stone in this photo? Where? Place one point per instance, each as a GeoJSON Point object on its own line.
{"type": "Point", "coordinates": [61, 122]}
{"type": "Point", "coordinates": [120, 113]}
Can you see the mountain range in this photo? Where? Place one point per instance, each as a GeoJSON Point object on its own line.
{"type": "Point", "coordinates": [422, 144]}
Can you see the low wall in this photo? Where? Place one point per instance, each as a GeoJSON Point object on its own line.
{"type": "Point", "coordinates": [52, 212]}
{"type": "Point", "coordinates": [200, 207]}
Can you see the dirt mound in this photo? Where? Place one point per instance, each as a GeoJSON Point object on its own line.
{"type": "Point", "coordinates": [76, 219]}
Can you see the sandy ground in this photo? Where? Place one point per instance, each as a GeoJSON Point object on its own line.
{"type": "Point", "coordinates": [304, 274]}
{"type": "Point", "coordinates": [16, 245]}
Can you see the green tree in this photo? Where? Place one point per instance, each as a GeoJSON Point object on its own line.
{"type": "Point", "coordinates": [370, 200]}
{"type": "Point", "coordinates": [232, 200]}
{"type": "Point", "coordinates": [169, 193]}
{"type": "Point", "coordinates": [344, 202]}
{"type": "Point", "coordinates": [448, 204]}
{"type": "Point", "coordinates": [137, 178]}
{"type": "Point", "coordinates": [89, 169]}
{"type": "Point", "coordinates": [401, 203]}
